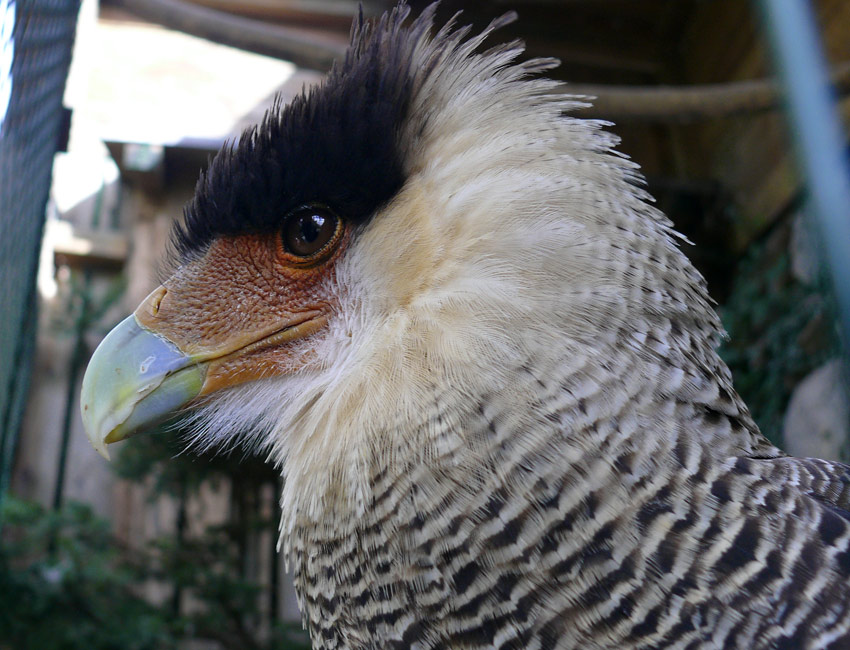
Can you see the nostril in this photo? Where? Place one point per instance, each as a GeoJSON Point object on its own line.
{"type": "Point", "coordinates": [156, 299]}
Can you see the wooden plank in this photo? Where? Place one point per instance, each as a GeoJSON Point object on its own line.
{"type": "Point", "coordinates": [333, 15]}
{"type": "Point", "coordinates": [81, 248]}
{"type": "Point", "coordinates": [750, 155]}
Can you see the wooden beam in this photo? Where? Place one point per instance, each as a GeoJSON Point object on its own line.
{"type": "Point", "coordinates": [315, 50]}
{"type": "Point", "coordinates": [690, 103]}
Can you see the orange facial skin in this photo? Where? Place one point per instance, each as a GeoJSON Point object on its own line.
{"type": "Point", "coordinates": [239, 305]}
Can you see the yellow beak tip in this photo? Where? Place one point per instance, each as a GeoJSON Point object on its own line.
{"type": "Point", "coordinates": [103, 451]}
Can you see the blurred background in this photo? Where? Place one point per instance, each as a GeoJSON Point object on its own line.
{"type": "Point", "coordinates": [107, 114]}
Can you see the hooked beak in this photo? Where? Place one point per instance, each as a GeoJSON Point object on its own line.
{"type": "Point", "coordinates": [135, 379]}
{"type": "Point", "coordinates": [138, 376]}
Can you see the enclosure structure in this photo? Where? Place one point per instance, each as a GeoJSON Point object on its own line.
{"type": "Point", "coordinates": [36, 39]}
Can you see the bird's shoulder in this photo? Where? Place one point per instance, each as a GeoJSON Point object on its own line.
{"type": "Point", "coordinates": [824, 481]}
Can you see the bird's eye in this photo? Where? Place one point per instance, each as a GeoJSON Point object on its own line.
{"type": "Point", "coordinates": [311, 231]}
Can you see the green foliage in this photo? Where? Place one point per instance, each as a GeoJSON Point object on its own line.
{"type": "Point", "coordinates": [63, 584]}
{"type": "Point", "coordinates": [779, 331]}
{"type": "Point", "coordinates": [208, 568]}
{"type": "Point", "coordinates": [160, 456]}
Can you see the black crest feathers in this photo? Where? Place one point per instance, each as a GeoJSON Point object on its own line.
{"type": "Point", "coordinates": [335, 144]}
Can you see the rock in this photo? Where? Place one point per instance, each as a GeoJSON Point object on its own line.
{"type": "Point", "coordinates": [817, 421]}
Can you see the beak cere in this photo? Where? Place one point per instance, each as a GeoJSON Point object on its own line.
{"type": "Point", "coordinates": [198, 334]}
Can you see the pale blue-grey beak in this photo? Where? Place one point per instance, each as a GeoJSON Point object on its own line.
{"type": "Point", "coordinates": [134, 379]}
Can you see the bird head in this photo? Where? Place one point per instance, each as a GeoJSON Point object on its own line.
{"type": "Point", "coordinates": [388, 255]}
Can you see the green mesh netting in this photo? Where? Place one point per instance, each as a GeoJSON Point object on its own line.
{"type": "Point", "coordinates": [36, 37]}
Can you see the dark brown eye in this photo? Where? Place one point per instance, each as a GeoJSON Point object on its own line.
{"type": "Point", "coordinates": [310, 231]}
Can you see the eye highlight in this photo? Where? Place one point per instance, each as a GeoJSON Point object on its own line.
{"type": "Point", "coordinates": [311, 232]}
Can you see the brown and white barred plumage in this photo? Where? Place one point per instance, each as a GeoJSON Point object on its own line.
{"type": "Point", "coordinates": [519, 434]}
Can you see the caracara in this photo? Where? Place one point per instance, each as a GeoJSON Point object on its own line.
{"type": "Point", "coordinates": [440, 302]}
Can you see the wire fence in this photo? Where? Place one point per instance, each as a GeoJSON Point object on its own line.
{"type": "Point", "coordinates": [36, 38]}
